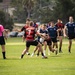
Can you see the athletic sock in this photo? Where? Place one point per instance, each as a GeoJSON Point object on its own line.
{"type": "Point", "coordinates": [32, 54]}
{"type": "Point", "coordinates": [3, 55]}
{"type": "Point", "coordinates": [42, 54]}
{"type": "Point", "coordinates": [69, 51]}
{"type": "Point", "coordinates": [60, 51]}
{"type": "Point", "coordinates": [22, 56]}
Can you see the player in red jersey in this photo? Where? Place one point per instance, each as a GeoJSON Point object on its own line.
{"type": "Point", "coordinates": [60, 27]}
{"type": "Point", "coordinates": [23, 29]}
{"type": "Point", "coordinates": [29, 37]}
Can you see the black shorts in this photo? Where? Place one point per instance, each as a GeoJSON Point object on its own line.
{"type": "Point", "coordinates": [71, 36]}
{"type": "Point", "coordinates": [49, 42]}
{"type": "Point", "coordinates": [34, 43]}
{"type": "Point", "coordinates": [2, 41]}
{"type": "Point", "coordinates": [60, 33]}
{"type": "Point", "coordinates": [54, 40]}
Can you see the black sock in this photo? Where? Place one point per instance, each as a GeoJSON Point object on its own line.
{"type": "Point", "coordinates": [22, 56]}
{"type": "Point", "coordinates": [42, 54]}
{"type": "Point", "coordinates": [69, 50]}
{"type": "Point", "coordinates": [60, 49]}
{"type": "Point", "coordinates": [3, 55]}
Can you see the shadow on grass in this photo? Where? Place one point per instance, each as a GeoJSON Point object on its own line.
{"type": "Point", "coordinates": [10, 59]}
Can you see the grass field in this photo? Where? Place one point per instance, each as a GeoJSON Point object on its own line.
{"type": "Point", "coordinates": [61, 64]}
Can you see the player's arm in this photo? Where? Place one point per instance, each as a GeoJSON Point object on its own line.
{"type": "Point", "coordinates": [64, 31]}
{"type": "Point", "coordinates": [5, 33]}
{"type": "Point", "coordinates": [58, 33]}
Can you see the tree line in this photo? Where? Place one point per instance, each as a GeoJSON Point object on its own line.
{"type": "Point", "coordinates": [40, 10]}
{"type": "Point", "coordinates": [44, 10]}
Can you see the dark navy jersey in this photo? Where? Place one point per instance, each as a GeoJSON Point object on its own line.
{"type": "Point", "coordinates": [35, 25]}
{"type": "Point", "coordinates": [42, 31]}
{"type": "Point", "coordinates": [52, 31]}
{"type": "Point", "coordinates": [70, 27]}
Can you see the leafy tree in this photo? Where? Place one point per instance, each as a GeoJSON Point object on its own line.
{"type": "Point", "coordinates": [24, 5]}
{"type": "Point", "coordinates": [42, 11]}
{"type": "Point", "coordinates": [34, 9]}
{"type": "Point", "coordinates": [64, 9]}
{"type": "Point", "coordinates": [6, 20]}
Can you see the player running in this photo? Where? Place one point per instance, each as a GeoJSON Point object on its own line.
{"type": "Point", "coordinates": [29, 37]}
{"type": "Point", "coordinates": [70, 26]}
{"type": "Point", "coordinates": [41, 39]}
{"type": "Point", "coordinates": [60, 27]}
{"type": "Point", "coordinates": [52, 30]}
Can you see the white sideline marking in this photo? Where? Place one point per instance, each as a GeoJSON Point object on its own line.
{"type": "Point", "coordinates": [24, 43]}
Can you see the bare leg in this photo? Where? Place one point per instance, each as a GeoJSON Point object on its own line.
{"type": "Point", "coordinates": [70, 44]}
{"type": "Point", "coordinates": [41, 50]}
{"type": "Point", "coordinates": [24, 52]}
{"type": "Point", "coordinates": [60, 44]}
{"type": "Point", "coordinates": [51, 48]}
{"type": "Point", "coordinates": [45, 47]}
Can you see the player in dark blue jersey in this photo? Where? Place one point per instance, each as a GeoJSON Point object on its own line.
{"type": "Point", "coordinates": [44, 31]}
{"type": "Point", "coordinates": [70, 26]}
{"type": "Point", "coordinates": [41, 39]}
{"type": "Point", "coordinates": [52, 31]}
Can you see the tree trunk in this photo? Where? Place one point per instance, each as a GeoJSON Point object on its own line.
{"type": "Point", "coordinates": [28, 11]}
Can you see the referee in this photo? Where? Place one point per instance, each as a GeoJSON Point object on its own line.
{"type": "Point", "coordinates": [2, 41]}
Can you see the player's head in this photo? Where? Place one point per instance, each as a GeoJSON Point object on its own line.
{"type": "Point", "coordinates": [70, 19]}
{"type": "Point", "coordinates": [59, 20]}
{"type": "Point", "coordinates": [27, 23]}
{"type": "Point", "coordinates": [27, 19]}
{"type": "Point", "coordinates": [34, 21]}
{"type": "Point", "coordinates": [52, 23]}
{"type": "Point", "coordinates": [43, 26]}
{"type": "Point", "coordinates": [31, 23]}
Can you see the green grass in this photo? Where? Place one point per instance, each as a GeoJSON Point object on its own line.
{"type": "Point", "coordinates": [62, 64]}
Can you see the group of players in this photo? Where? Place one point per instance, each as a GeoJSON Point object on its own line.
{"type": "Point", "coordinates": [47, 35]}
{"type": "Point", "coordinates": [43, 35]}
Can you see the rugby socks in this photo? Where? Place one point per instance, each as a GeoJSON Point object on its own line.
{"type": "Point", "coordinates": [60, 51]}
{"type": "Point", "coordinates": [22, 56]}
{"type": "Point", "coordinates": [69, 51]}
{"type": "Point", "coordinates": [3, 55]}
{"type": "Point", "coordinates": [42, 54]}
{"type": "Point", "coordinates": [32, 54]}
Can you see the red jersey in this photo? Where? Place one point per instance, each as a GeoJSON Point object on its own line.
{"type": "Point", "coordinates": [30, 33]}
{"type": "Point", "coordinates": [26, 26]}
{"type": "Point", "coordinates": [60, 25]}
